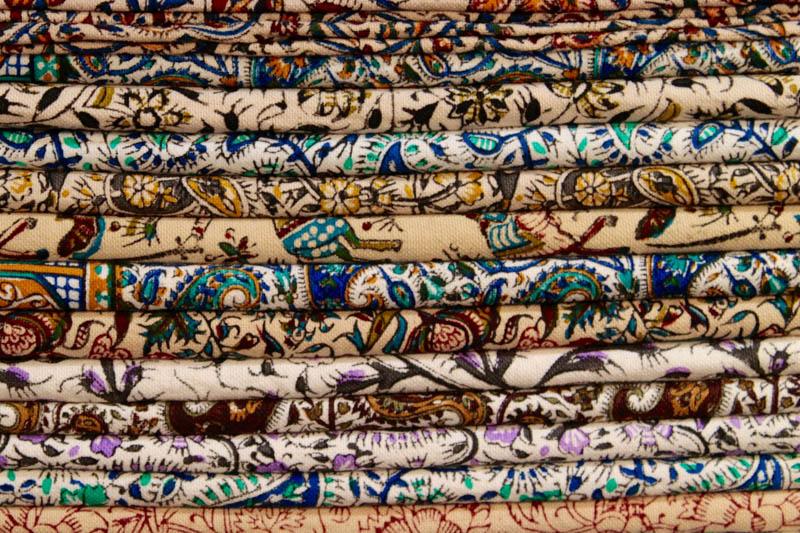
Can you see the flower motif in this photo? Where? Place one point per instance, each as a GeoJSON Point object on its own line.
{"type": "Point", "coordinates": [339, 196]}
{"type": "Point", "coordinates": [105, 444]}
{"type": "Point", "coordinates": [140, 191]}
{"type": "Point", "coordinates": [502, 435]}
{"type": "Point", "coordinates": [573, 441]}
{"type": "Point", "coordinates": [786, 183]}
{"type": "Point", "coordinates": [648, 434]}
{"type": "Point", "coordinates": [16, 339]}
{"type": "Point", "coordinates": [592, 189]}
{"type": "Point", "coordinates": [345, 462]}
{"type": "Point", "coordinates": [447, 338]}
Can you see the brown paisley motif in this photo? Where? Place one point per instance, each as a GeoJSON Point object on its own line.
{"type": "Point", "coordinates": [666, 400]}
{"type": "Point", "coordinates": [23, 418]}
{"type": "Point", "coordinates": [219, 418]}
{"type": "Point", "coordinates": [469, 406]}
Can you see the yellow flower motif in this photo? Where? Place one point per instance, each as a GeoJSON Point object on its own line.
{"type": "Point", "coordinates": [592, 189]}
{"type": "Point", "coordinates": [468, 188]}
{"type": "Point", "coordinates": [785, 183]}
{"type": "Point", "coordinates": [339, 196]}
{"type": "Point", "coordinates": [140, 191]}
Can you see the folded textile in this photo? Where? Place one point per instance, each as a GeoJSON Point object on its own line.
{"type": "Point", "coordinates": [392, 449]}
{"type": "Point", "coordinates": [545, 406]}
{"type": "Point", "coordinates": [661, 59]}
{"type": "Point", "coordinates": [403, 23]}
{"type": "Point", "coordinates": [81, 192]}
{"type": "Point", "coordinates": [141, 108]}
{"type": "Point", "coordinates": [303, 6]}
{"type": "Point", "coordinates": [368, 154]}
{"type": "Point", "coordinates": [215, 335]}
{"type": "Point", "coordinates": [87, 380]}
{"type": "Point", "coordinates": [746, 22]}
{"type": "Point", "coordinates": [767, 511]}
{"type": "Point", "coordinates": [94, 285]}
{"type": "Point", "coordinates": [484, 236]}
{"type": "Point", "coordinates": [531, 482]}
{"type": "Point", "coordinates": [266, 335]}
{"type": "Point", "coordinates": [214, 40]}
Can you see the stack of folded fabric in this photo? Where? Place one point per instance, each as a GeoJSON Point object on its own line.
{"type": "Point", "coordinates": [469, 264]}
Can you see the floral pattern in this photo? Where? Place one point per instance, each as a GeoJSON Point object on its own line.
{"type": "Point", "coordinates": [303, 6]}
{"type": "Point", "coordinates": [522, 483]}
{"type": "Point", "coordinates": [100, 193]}
{"type": "Point", "coordinates": [544, 406]}
{"type": "Point", "coordinates": [336, 155]}
{"type": "Point", "coordinates": [633, 60]}
{"type": "Point", "coordinates": [115, 381]}
{"type": "Point", "coordinates": [113, 286]}
{"type": "Point", "coordinates": [124, 108]}
{"type": "Point", "coordinates": [390, 449]}
{"type": "Point", "coordinates": [485, 236]}
{"type": "Point", "coordinates": [215, 335]}
{"type": "Point", "coordinates": [385, 31]}
{"type": "Point", "coordinates": [697, 513]}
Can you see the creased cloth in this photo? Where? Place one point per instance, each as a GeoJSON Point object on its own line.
{"type": "Point", "coordinates": [100, 193]}
{"type": "Point", "coordinates": [164, 109]}
{"type": "Point", "coordinates": [389, 29]}
{"type": "Point", "coordinates": [368, 154]}
{"type": "Point", "coordinates": [545, 406]}
{"type": "Point", "coordinates": [349, 451]}
{"type": "Point", "coordinates": [766, 511]}
{"type": "Point", "coordinates": [304, 6]}
{"type": "Point", "coordinates": [114, 381]}
{"type": "Point", "coordinates": [215, 335]}
{"type": "Point", "coordinates": [634, 60]}
{"type": "Point", "coordinates": [575, 481]}
{"type": "Point", "coordinates": [95, 285]}
{"type": "Point", "coordinates": [271, 334]}
{"type": "Point", "coordinates": [484, 236]}
{"type": "Point", "coordinates": [26, 34]}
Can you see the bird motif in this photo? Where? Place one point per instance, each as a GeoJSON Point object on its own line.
{"type": "Point", "coordinates": [539, 233]}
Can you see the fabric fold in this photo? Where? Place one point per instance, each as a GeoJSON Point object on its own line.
{"type": "Point", "coordinates": [306, 6]}
{"type": "Point", "coordinates": [141, 108]}
{"type": "Point", "coordinates": [95, 285]}
{"type": "Point", "coordinates": [354, 451]}
{"type": "Point", "coordinates": [680, 513]}
{"type": "Point", "coordinates": [114, 381]}
{"type": "Point", "coordinates": [369, 154]}
{"type": "Point", "coordinates": [423, 238]}
{"type": "Point", "coordinates": [634, 60]}
{"type": "Point", "coordinates": [101, 193]}
{"type": "Point", "coordinates": [575, 481]}
{"type": "Point", "coordinates": [271, 334]}
{"type": "Point", "coordinates": [545, 406]}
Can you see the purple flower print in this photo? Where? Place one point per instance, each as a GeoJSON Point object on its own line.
{"type": "Point", "coordinates": [344, 462]}
{"type": "Point", "coordinates": [502, 434]}
{"type": "Point", "coordinates": [573, 441]}
{"type": "Point", "coordinates": [105, 444]}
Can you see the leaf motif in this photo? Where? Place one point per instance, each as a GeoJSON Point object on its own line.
{"type": "Point", "coordinates": [47, 99]}
{"type": "Point", "coordinates": [104, 97]}
{"type": "Point", "coordinates": [655, 222]}
{"type": "Point", "coordinates": [756, 105]}
{"type": "Point", "coordinates": [87, 120]}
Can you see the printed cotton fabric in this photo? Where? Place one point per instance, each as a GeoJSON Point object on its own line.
{"type": "Point", "coordinates": [697, 513]}
{"type": "Point", "coordinates": [483, 236]}
{"type": "Point", "coordinates": [129, 194]}
{"type": "Point", "coordinates": [558, 481]}
{"type": "Point", "coordinates": [399, 265]}
{"type": "Point", "coordinates": [546, 406]}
